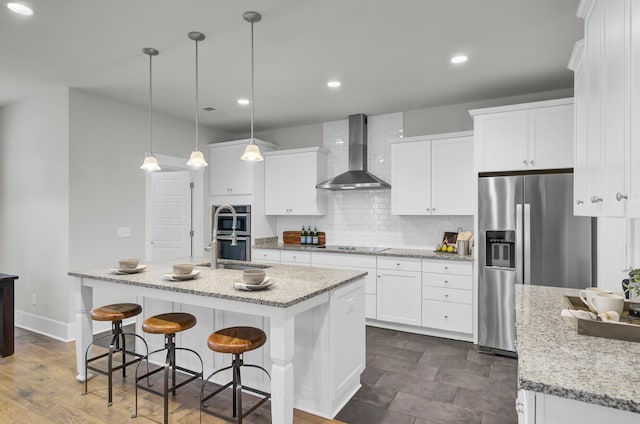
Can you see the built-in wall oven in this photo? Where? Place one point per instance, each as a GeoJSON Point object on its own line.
{"type": "Point", "coordinates": [242, 251]}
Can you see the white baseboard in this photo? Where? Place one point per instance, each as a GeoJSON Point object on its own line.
{"type": "Point", "coordinates": [55, 329]}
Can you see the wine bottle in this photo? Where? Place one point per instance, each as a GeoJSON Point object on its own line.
{"type": "Point", "coordinates": [303, 236]}
{"type": "Point", "coordinates": [309, 236]}
{"type": "Point", "coordinates": [315, 236]}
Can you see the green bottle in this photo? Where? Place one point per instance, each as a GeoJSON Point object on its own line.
{"type": "Point", "coordinates": [309, 236]}
{"type": "Point", "coordinates": [315, 236]}
{"type": "Point", "coordinates": [303, 236]}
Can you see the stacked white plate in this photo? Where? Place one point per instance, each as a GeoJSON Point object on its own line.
{"type": "Point", "coordinates": [241, 285]}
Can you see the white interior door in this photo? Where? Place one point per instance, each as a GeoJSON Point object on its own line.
{"type": "Point", "coordinates": [170, 215]}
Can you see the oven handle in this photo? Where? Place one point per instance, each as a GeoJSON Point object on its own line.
{"type": "Point", "coordinates": [243, 238]}
{"type": "Point", "coordinates": [230, 215]}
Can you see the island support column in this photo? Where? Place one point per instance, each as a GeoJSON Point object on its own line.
{"type": "Point", "coordinates": [84, 325]}
{"type": "Point", "coordinates": [282, 383]}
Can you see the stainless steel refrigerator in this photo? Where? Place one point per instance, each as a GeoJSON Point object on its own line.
{"type": "Point", "coordinates": [527, 234]}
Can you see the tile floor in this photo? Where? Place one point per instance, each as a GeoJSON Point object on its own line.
{"type": "Point", "coordinates": [415, 379]}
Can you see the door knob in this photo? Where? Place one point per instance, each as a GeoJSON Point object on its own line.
{"type": "Point", "coordinates": [620, 196]}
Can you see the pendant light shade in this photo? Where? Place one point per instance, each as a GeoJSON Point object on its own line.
{"type": "Point", "coordinates": [252, 151]}
{"type": "Point", "coordinates": [150, 162]}
{"type": "Point", "coordinates": [196, 159]}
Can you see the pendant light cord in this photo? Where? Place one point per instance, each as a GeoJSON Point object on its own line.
{"type": "Point", "coordinates": [197, 100]}
{"type": "Point", "coordinates": [252, 140]}
{"type": "Point", "coordinates": [150, 107]}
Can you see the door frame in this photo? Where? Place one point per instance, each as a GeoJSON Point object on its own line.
{"type": "Point", "coordinates": [197, 176]}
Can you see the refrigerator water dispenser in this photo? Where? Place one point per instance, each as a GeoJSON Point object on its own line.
{"type": "Point", "coordinates": [501, 249]}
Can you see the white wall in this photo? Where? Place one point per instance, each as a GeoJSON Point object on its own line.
{"type": "Point", "coordinates": [34, 208]}
{"type": "Point", "coordinates": [294, 137]}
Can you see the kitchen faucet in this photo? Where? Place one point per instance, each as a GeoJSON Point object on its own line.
{"type": "Point", "coordinates": [214, 234]}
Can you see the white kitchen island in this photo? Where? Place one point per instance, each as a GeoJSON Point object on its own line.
{"type": "Point", "coordinates": [314, 319]}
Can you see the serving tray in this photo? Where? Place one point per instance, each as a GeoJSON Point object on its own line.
{"type": "Point", "coordinates": [608, 330]}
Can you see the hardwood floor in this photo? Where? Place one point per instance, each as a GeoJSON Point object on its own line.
{"type": "Point", "coordinates": [409, 379]}
{"type": "Point", "coordinates": [38, 385]}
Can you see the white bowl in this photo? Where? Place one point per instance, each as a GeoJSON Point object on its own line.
{"type": "Point", "coordinates": [253, 276]}
{"type": "Point", "coordinates": [128, 263]}
{"type": "Point", "coordinates": [182, 269]}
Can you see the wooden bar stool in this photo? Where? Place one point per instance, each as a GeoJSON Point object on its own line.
{"type": "Point", "coordinates": [168, 324]}
{"type": "Point", "coordinates": [237, 341]}
{"type": "Point", "coordinates": [114, 313]}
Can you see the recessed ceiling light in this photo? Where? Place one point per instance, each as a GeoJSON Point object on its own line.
{"type": "Point", "coordinates": [243, 102]}
{"type": "Point", "coordinates": [20, 9]}
{"type": "Point", "coordinates": [334, 84]}
{"type": "Point", "coordinates": [460, 58]}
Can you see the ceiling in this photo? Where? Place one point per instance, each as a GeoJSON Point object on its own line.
{"type": "Point", "coordinates": [389, 55]}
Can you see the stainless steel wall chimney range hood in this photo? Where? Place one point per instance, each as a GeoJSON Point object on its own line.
{"type": "Point", "coordinates": [357, 176]}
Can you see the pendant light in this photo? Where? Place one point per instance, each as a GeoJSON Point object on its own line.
{"type": "Point", "coordinates": [252, 151]}
{"type": "Point", "coordinates": [197, 158]}
{"type": "Point", "coordinates": [150, 162]}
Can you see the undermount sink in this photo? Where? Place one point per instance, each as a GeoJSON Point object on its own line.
{"type": "Point", "coordinates": [239, 267]}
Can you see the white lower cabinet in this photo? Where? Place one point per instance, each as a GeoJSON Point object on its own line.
{"type": "Point", "coordinates": [265, 256]}
{"type": "Point", "coordinates": [399, 292]}
{"type": "Point", "coordinates": [295, 258]}
{"type": "Point", "coordinates": [365, 263]}
{"type": "Point", "coordinates": [540, 408]}
{"type": "Point", "coordinates": [447, 296]}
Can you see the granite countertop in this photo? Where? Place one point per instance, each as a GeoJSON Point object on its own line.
{"type": "Point", "coordinates": [554, 359]}
{"type": "Point", "coordinates": [360, 250]}
{"type": "Point", "coordinates": [292, 284]}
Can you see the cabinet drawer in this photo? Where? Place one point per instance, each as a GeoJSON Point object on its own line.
{"type": "Point", "coordinates": [447, 267]}
{"type": "Point", "coordinates": [328, 260]}
{"type": "Point", "coordinates": [447, 316]}
{"type": "Point", "coordinates": [399, 264]}
{"type": "Point", "coordinates": [446, 294]}
{"type": "Point", "coordinates": [262, 255]}
{"type": "Point", "coordinates": [302, 258]}
{"type": "Point", "coordinates": [452, 281]}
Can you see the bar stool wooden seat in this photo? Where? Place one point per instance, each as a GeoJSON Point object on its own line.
{"type": "Point", "coordinates": [168, 324]}
{"type": "Point", "coordinates": [115, 313]}
{"type": "Point", "coordinates": [236, 341]}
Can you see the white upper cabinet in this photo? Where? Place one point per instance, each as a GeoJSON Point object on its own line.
{"type": "Point", "coordinates": [228, 174]}
{"type": "Point", "coordinates": [528, 136]}
{"type": "Point", "coordinates": [432, 175]}
{"type": "Point", "coordinates": [606, 86]}
{"type": "Point", "coordinates": [633, 153]}
{"type": "Point", "coordinates": [290, 182]}
{"type": "Point", "coordinates": [411, 178]}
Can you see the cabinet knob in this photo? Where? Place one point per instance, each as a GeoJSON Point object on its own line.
{"type": "Point", "coordinates": [433, 209]}
{"type": "Point", "coordinates": [446, 316]}
{"type": "Point", "coordinates": [531, 162]}
{"type": "Point", "coordinates": [446, 295]}
{"type": "Point", "coordinates": [579, 202]}
{"type": "Point", "coordinates": [446, 267]}
{"type": "Point", "coordinates": [596, 199]}
{"type": "Point", "coordinates": [397, 264]}
{"type": "Point", "coordinates": [379, 276]}
{"type": "Point", "coordinates": [620, 196]}
{"type": "Point", "coordinates": [524, 162]}
{"type": "Point", "coordinates": [446, 281]}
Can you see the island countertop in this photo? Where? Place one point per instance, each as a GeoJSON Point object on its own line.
{"type": "Point", "coordinates": [555, 360]}
{"type": "Point", "coordinates": [292, 284]}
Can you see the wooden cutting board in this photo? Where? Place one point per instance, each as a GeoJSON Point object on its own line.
{"type": "Point", "coordinates": [293, 237]}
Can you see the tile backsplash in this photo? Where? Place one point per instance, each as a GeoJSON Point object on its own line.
{"type": "Point", "coordinates": [363, 217]}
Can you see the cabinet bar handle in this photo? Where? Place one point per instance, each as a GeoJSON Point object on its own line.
{"type": "Point", "coordinates": [579, 202]}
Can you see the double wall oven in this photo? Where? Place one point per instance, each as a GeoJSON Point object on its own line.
{"type": "Point", "coordinates": [242, 251]}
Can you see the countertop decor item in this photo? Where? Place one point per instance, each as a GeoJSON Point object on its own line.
{"type": "Point", "coordinates": [606, 329]}
{"type": "Point", "coordinates": [293, 237]}
{"type": "Point", "coordinates": [150, 162]}
{"type": "Point", "coordinates": [196, 159]}
{"type": "Point", "coordinates": [252, 151]}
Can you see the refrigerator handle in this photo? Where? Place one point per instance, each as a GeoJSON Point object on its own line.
{"type": "Point", "coordinates": [527, 244]}
{"type": "Point", "coordinates": [519, 264]}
